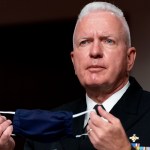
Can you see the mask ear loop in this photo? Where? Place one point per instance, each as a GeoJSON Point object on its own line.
{"type": "Point", "coordinates": [7, 112]}
{"type": "Point", "coordinates": [82, 113]}
{"type": "Point", "coordinates": [78, 115]}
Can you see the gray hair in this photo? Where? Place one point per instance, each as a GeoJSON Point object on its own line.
{"type": "Point", "coordinates": [104, 6]}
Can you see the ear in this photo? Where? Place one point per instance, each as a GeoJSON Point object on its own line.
{"type": "Point", "coordinates": [131, 55]}
{"type": "Point", "coordinates": [72, 56]}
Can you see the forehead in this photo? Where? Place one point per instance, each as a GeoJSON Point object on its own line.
{"type": "Point", "coordinates": [99, 22]}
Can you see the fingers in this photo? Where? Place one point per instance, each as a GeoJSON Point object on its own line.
{"type": "Point", "coordinates": [97, 124]}
{"type": "Point", "coordinates": [6, 134]}
{"type": "Point", "coordinates": [6, 141]}
{"type": "Point", "coordinates": [107, 116]}
{"type": "Point", "coordinates": [4, 124]}
{"type": "Point", "coordinates": [2, 119]}
{"type": "Point", "coordinates": [107, 121]}
{"type": "Point", "coordinates": [94, 132]}
{"type": "Point", "coordinates": [103, 134]}
{"type": "Point", "coordinates": [97, 120]}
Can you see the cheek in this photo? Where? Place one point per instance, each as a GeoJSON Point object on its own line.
{"type": "Point", "coordinates": [121, 64]}
{"type": "Point", "coordinates": [118, 62]}
{"type": "Point", "coordinates": [79, 59]}
{"type": "Point", "coordinates": [78, 62]}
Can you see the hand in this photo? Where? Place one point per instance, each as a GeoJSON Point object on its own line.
{"type": "Point", "coordinates": [6, 141]}
{"type": "Point", "coordinates": [107, 134]}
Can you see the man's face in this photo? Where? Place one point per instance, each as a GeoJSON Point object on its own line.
{"type": "Point", "coordinates": [100, 56]}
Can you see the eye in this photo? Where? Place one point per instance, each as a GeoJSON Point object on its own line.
{"type": "Point", "coordinates": [109, 41]}
{"type": "Point", "coordinates": [84, 42]}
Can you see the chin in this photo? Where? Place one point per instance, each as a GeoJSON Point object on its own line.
{"type": "Point", "coordinates": [93, 84]}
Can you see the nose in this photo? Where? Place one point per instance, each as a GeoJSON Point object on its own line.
{"type": "Point", "coordinates": [96, 50]}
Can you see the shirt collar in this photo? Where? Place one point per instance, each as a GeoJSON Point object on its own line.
{"type": "Point", "coordinates": [108, 103]}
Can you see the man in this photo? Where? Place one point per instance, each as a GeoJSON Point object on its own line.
{"type": "Point", "coordinates": [102, 60]}
{"type": "Point", "coordinates": [6, 141]}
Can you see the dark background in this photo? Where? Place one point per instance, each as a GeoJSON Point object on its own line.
{"type": "Point", "coordinates": [36, 70]}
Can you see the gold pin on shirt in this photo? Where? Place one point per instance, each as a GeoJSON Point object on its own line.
{"type": "Point", "coordinates": [134, 138]}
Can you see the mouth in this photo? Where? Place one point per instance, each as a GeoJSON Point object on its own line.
{"type": "Point", "coordinates": [95, 68]}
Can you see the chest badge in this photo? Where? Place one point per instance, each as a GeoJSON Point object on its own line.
{"type": "Point", "coordinates": [134, 138]}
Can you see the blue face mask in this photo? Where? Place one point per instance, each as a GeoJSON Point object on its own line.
{"type": "Point", "coordinates": [43, 125]}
